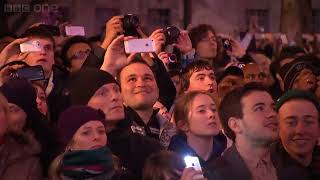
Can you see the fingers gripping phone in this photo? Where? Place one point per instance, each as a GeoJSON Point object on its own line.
{"type": "Point", "coordinates": [139, 45]}
{"type": "Point", "coordinates": [192, 161]}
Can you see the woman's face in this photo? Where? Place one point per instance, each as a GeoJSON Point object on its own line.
{"type": "Point", "coordinates": [3, 122]}
{"type": "Point", "coordinates": [91, 135]}
{"type": "Point", "coordinates": [203, 119]}
{"type": "Point", "coordinates": [41, 100]}
{"type": "Point", "coordinates": [16, 118]}
{"type": "Point", "coordinates": [207, 47]}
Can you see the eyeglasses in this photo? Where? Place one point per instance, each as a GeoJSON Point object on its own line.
{"type": "Point", "coordinates": [81, 54]}
{"type": "Point", "coordinates": [208, 39]}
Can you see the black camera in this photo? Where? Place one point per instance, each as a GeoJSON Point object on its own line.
{"type": "Point", "coordinates": [130, 22]}
{"type": "Point", "coordinates": [172, 34]}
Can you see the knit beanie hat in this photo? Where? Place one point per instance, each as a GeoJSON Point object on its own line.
{"type": "Point", "coordinates": [297, 94]}
{"type": "Point", "coordinates": [22, 93]}
{"type": "Point", "coordinates": [73, 118]}
{"type": "Point", "coordinates": [290, 71]}
{"type": "Point", "coordinates": [83, 84]}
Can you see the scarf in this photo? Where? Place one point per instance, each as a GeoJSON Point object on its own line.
{"type": "Point", "coordinates": [83, 164]}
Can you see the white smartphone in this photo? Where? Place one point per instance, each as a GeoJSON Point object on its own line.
{"type": "Point", "coordinates": [139, 45]}
{"type": "Point", "coordinates": [193, 161]}
{"type": "Point", "coordinates": [284, 39]}
{"type": "Point", "coordinates": [30, 46]}
{"type": "Point", "coordinates": [75, 31]}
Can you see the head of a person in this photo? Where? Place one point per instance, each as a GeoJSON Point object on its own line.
{"type": "Point", "coordinates": [176, 79]}
{"type": "Point", "coordinates": [300, 74]}
{"type": "Point", "coordinates": [45, 57]}
{"type": "Point", "coordinates": [41, 98]}
{"type": "Point", "coordinates": [204, 40]}
{"type": "Point", "coordinates": [199, 76]}
{"type": "Point", "coordinates": [164, 165]}
{"type": "Point", "coordinates": [262, 60]}
{"type": "Point", "coordinates": [81, 128]}
{"type": "Point", "coordinates": [139, 88]}
{"type": "Point", "coordinates": [4, 108]}
{"type": "Point", "coordinates": [97, 89]}
{"type": "Point", "coordinates": [229, 79]}
{"type": "Point", "coordinates": [74, 53]}
{"type": "Point", "coordinates": [248, 114]}
{"type": "Point", "coordinates": [299, 122]}
{"type": "Point", "coordinates": [21, 96]}
{"type": "Point", "coordinates": [253, 73]}
{"type": "Point", "coordinates": [196, 114]}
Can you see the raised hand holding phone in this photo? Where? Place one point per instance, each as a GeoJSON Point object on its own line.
{"type": "Point", "coordinates": [193, 162]}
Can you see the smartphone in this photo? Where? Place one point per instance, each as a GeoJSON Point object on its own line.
{"type": "Point", "coordinates": [193, 161]}
{"type": "Point", "coordinates": [75, 31]}
{"type": "Point", "coordinates": [30, 46]}
{"type": "Point", "coordinates": [32, 73]}
{"type": "Point", "coordinates": [139, 45]}
{"type": "Point", "coordinates": [284, 39]}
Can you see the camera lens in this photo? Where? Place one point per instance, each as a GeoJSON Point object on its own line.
{"type": "Point", "coordinates": [172, 34]}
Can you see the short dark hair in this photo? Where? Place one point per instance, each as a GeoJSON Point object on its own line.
{"type": "Point", "coordinates": [231, 105]}
{"type": "Point", "coordinates": [195, 66]}
{"type": "Point", "coordinates": [134, 61]}
{"type": "Point", "coordinates": [39, 32]}
{"type": "Point", "coordinates": [159, 165]}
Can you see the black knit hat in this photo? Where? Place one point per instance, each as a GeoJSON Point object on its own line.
{"type": "Point", "coordinates": [83, 84]}
{"type": "Point", "coordinates": [290, 71]}
{"type": "Point", "coordinates": [297, 94]}
{"type": "Point", "coordinates": [22, 93]}
{"type": "Point", "coordinates": [73, 118]}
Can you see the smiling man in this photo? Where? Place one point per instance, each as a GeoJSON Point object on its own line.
{"type": "Point", "coordinates": [300, 127]}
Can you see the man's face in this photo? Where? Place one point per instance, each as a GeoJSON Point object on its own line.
{"type": "Point", "coordinates": [306, 80]}
{"type": "Point", "coordinates": [45, 57]}
{"type": "Point", "coordinates": [299, 126]}
{"type": "Point", "coordinates": [139, 87]}
{"type": "Point", "coordinates": [252, 73]}
{"type": "Point", "coordinates": [77, 54]}
{"type": "Point", "coordinates": [108, 99]}
{"type": "Point", "coordinates": [207, 47]}
{"type": "Point", "coordinates": [229, 83]}
{"type": "Point", "coordinates": [259, 124]}
{"type": "Point", "coordinates": [203, 80]}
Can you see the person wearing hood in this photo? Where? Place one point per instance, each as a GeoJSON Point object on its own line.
{"type": "Point", "coordinates": [197, 120]}
{"type": "Point", "coordinates": [18, 153]}
{"type": "Point", "coordinates": [24, 118]}
{"type": "Point", "coordinates": [99, 90]}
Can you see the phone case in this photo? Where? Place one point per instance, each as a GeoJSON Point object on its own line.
{"type": "Point", "coordinates": [30, 46]}
{"type": "Point", "coordinates": [75, 31]}
{"type": "Point", "coordinates": [139, 45]}
{"type": "Point", "coordinates": [192, 161]}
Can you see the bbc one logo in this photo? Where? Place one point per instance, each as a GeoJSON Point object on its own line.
{"type": "Point", "coordinates": [37, 8]}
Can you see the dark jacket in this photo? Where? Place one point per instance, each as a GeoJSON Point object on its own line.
{"type": "Point", "coordinates": [231, 161]}
{"type": "Point", "coordinates": [179, 145]}
{"type": "Point", "coordinates": [132, 149]}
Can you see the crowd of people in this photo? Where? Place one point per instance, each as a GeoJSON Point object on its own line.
{"type": "Point", "coordinates": [247, 106]}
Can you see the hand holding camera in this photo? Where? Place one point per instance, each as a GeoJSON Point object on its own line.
{"type": "Point", "coordinates": [159, 39]}
{"type": "Point", "coordinates": [232, 47]}
{"type": "Point", "coordinates": [183, 42]}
